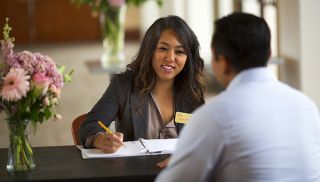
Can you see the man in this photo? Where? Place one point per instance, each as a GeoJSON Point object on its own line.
{"type": "Point", "coordinates": [258, 129]}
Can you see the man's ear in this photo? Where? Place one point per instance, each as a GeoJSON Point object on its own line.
{"type": "Point", "coordinates": [225, 65]}
{"type": "Point", "coordinates": [270, 53]}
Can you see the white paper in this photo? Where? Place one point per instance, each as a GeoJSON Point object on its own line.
{"type": "Point", "coordinates": [164, 145]}
{"type": "Point", "coordinates": [134, 148]}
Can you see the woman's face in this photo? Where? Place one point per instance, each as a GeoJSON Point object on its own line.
{"type": "Point", "coordinates": [169, 57]}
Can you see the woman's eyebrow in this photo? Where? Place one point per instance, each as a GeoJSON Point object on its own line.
{"type": "Point", "coordinates": [179, 46]}
{"type": "Point", "coordinates": [164, 43]}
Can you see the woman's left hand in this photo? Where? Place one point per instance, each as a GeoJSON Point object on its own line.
{"type": "Point", "coordinates": [163, 163]}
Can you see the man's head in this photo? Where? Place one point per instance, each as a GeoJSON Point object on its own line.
{"type": "Point", "coordinates": [240, 41]}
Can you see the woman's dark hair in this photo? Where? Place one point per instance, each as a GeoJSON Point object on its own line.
{"type": "Point", "coordinates": [190, 81]}
{"type": "Point", "coordinates": [244, 40]}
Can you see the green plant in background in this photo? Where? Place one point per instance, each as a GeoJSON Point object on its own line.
{"type": "Point", "coordinates": [107, 5]}
{"type": "Point", "coordinates": [112, 15]}
{"type": "Point", "coordinates": [111, 11]}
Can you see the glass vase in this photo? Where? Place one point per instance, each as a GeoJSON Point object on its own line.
{"type": "Point", "coordinates": [112, 29]}
{"type": "Point", "coordinates": [20, 154]}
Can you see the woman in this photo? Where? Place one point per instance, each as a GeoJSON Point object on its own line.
{"type": "Point", "coordinates": [165, 77]}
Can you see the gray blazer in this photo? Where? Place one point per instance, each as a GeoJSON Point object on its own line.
{"type": "Point", "coordinates": [121, 102]}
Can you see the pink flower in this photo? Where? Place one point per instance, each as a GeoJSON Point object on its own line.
{"type": "Point", "coordinates": [46, 65]}
{"type": "Point", "coordinates": [116, 3]}
{"type": "Point", "coordinates": [56, 91]}
{"type": "Point", "coordinates": [7, 49]}
{"type": "Point", "coordinates": [46, 101]}
{"type": "Point", "coordinates": [41, 83]}
{"type": "Point", "coordinates": [15, 85]}
{"type": "Point", "coordinates": [25, 60]}
{"type": "Point", "coordinates": [57, 80]}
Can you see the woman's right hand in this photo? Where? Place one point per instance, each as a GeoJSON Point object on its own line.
{"type": "Point", "coordinates": [108, 143]}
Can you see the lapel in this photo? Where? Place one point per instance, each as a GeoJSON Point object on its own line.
{"type": "Point", "coordinates": [139, 119]}
{"type": "Point", "coordinates": [178, 108]}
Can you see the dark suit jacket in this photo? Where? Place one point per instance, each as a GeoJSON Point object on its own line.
{"type": "Point", "coordinates": [121, 102]}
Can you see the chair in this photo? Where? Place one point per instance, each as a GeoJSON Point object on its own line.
{"type": "Point", "coordinates": [76, 123]}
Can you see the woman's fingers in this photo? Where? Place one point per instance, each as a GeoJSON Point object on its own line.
{"type": "Point", "coordinates": [107, 143]}
{"type": "Point", "coordinates": [163, 163]}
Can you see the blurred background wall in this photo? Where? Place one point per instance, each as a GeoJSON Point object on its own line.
{"type": "Point", "coordinates": [72, 37]}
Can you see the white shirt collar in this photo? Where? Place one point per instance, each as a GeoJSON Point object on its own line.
{"type": "Point", "coordinates": [252, 74]}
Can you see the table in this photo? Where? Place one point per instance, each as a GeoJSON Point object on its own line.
{"type": "Point", "coordinates": [95, 66]}
{"type": "Point", "coordinates": [64, 163]}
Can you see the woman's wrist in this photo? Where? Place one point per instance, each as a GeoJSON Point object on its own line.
{"type": "Point", "coordinates": [91, 139]}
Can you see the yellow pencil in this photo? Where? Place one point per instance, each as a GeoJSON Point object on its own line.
{"type": "Point", "coordinates": [107, 129]}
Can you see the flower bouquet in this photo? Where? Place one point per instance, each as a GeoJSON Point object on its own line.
{"type": "Point", "coordinates": [30, 86]}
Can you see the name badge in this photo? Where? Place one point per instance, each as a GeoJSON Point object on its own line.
{"type": "Point", "coordinates": [182, 117]}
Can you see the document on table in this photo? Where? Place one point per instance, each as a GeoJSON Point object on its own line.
{"type": "Point", "coordinates": [134, 148]}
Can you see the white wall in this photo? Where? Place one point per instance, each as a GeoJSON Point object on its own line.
{"type": "Point", "coordinates": [299, 28]}
{"type": "Point", "coordinates": [289, 41]}
{"type": "Point", "coordinates": [199, 16]}
{"type": "Point", "coordinates": [310, 51]}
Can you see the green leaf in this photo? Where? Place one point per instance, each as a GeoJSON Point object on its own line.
{"type": "Point", "coordinates": [6, 31]}
{"type": "Point", "coordinates": [67, 77]}
{"type": "Point", "coordinates": [61, 69]}
{"type": "Point", "coordinates": [159, 2]}
{"type": "Point", "coordinates": [34, 114]}
{"type": "Point", "coordinates": [47, 113]}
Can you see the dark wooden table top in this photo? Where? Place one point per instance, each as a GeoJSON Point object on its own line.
{"type": "Point", "coordinates": [64, 163]}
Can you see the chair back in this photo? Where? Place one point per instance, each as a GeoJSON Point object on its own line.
{"type": "Point", "coordinates": [76, 123]}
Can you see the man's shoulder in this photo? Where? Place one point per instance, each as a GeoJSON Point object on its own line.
{"type": "Point", "coordinates": [215, 105]}
{"type": "Point", "coordinates": [297, 96]}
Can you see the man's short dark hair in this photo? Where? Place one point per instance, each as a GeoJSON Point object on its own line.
{"type": "Point", "coordinates": [244, 40]}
